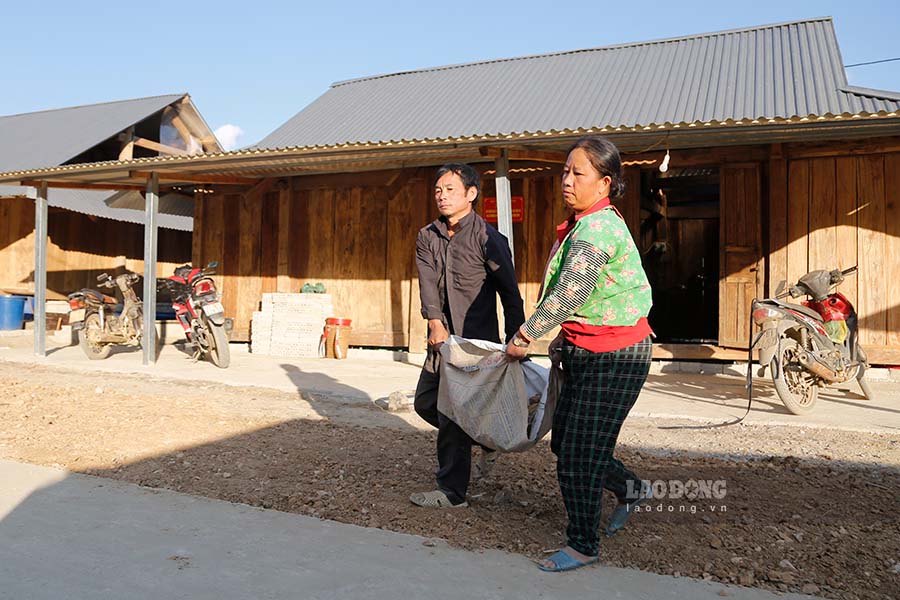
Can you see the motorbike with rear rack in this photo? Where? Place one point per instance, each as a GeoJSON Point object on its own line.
{"type": "Point", "coordinates": [811, 345]}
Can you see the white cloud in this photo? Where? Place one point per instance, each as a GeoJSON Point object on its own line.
{"type": "Point", "coordinates": [228, 135]}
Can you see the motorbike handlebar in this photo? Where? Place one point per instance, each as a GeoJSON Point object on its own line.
{"type": "Point", "coordinates": [838, 276]}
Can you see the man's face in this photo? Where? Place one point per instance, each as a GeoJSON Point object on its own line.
{"type": "Point", "coordinates": [454, 201]}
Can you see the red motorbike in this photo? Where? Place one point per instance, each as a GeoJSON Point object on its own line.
{"type": "Point", "coordinates": [199, 309]}
{"type": "Point", "coordinates": [810, 345]}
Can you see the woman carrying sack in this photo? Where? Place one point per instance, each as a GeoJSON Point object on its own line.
{"type": "Point", "coordinates": [596, 289]}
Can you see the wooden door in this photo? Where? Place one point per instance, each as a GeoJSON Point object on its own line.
{"type": "Point", "coordinates": [630, 203]}
{"type": "Point", "coordinates": [740, 251]}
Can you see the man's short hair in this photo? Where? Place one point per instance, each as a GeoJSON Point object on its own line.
{"type": "Point", "coordinates": [469, 176]}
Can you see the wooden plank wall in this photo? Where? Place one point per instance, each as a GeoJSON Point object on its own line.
{"type": "Point", "coordinates": [358, 240]}
{"type": "Point", "coordinates": [843, 211]}
{"type": "Point", "coordinates": [79, 248]}
{"type": "Point", "coordinates": [356, 234]}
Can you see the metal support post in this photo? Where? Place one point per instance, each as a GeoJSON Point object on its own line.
{"type": "Point", "coordinates": [151, 210]}
{"type": "Point", "coordinates": [504, 200]}
{"type": "Point", "coordinates": [40, 271]}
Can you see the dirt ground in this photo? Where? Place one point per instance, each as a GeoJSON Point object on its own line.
{"type": "Point", "coordinates": [811, 510]}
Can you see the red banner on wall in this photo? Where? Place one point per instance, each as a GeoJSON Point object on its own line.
{"type": "Point", "coordinates": [518, 209]}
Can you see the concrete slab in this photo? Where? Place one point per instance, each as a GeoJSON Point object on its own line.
{"type": "Point", "coordinates": [85, 538]}
{"type": "Point", "coordinates": [368, 375]}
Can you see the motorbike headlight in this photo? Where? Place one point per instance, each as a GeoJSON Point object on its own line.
{"type": "Point", "coordinates": [764, 313]}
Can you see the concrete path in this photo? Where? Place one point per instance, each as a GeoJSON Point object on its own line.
{"type": "Point", "coordinates": [84, 538]}
{"type": "Point", "coordinates": [368, 375]}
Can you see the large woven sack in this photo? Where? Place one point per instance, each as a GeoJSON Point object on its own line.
{"type": "Point", "coordinates": [501, 404]}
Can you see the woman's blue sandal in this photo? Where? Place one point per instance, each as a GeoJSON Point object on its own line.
{"type": "Point", "coordinates": [622, 513]}
{"type": "Point", "coordinates": [563, 561]}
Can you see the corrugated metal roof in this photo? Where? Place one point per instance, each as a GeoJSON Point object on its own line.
{"type": "Point", "coordinates": [53, 137]}
{"type": "Point", "coordinates": [97, 203]}
{"type": "Point", "coordinates": [771, 72]}
{"type": "Point", "coordinates": [170, 204]}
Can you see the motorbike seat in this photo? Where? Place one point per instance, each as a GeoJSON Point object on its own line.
{"type": "Point", "coordinates": [802, 309]}
{"type": "Point", "coordinates": [98, 297]}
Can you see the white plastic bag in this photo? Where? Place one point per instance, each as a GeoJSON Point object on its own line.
{"type": "Point", "coordinates": [488, 396]}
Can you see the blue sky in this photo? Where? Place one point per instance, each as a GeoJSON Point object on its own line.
{"type": "Point", "coordinates": [253, 65]}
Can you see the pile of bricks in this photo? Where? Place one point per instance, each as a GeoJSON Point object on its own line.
{"type": "Point", "coordinates": [290, 325]}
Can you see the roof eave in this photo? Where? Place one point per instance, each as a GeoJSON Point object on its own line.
{"type": "Point", "coordinates": [289, 159]}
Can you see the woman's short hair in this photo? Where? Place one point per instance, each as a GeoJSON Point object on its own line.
{"type": "Point", "coordinates": [467, 174]}
{"type": "Point", "coordinates": [604, 157]}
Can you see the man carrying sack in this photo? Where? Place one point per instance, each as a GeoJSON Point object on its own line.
{"type": "Point", "coordinates": [463, 264]}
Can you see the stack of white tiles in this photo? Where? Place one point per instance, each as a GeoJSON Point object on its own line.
{"type": "Point", "coordinates": [290, 325]}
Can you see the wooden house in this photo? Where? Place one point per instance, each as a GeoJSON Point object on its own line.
{"type": "Point", "coordinates": [776, 166]}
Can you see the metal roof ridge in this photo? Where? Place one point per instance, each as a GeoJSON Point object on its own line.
{"type": "Point", "coordinates": [871, 92]}
{"type": "Point", "coordinates": [47, 110]}
{"type": "Point", "coordinates": [671, 40]}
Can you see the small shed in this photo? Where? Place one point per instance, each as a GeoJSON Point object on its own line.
{"type": "Point", "coordinates": [91, 230]}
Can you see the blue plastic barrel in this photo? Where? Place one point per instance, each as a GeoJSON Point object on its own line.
{"type": "Point", "coordinates": [12, 312]}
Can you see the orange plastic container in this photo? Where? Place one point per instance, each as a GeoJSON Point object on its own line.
{"type": "Point", "coordinates": [337, 337]}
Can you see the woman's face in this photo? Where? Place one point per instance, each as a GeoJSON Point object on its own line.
{"type": "Point", "coordinates": [582, 185]}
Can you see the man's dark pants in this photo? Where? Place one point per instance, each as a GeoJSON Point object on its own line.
{"type": "Point", "coordinates": [454, 446]}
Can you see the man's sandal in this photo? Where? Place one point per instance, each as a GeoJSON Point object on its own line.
{"type": "Point", "coordinates": [563, 561]}
{"type": "Point", "coordinates": [435, 499]}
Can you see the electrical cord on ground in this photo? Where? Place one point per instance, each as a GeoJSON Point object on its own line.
{"type": "Point", "coordinates": [749, 387]}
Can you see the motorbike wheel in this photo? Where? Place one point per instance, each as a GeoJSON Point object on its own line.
{"type": "Point", "coordinates": [796, 387]}
{"type": "Point", "coordinates": [87, 335]}
{"type": "Point", "coordinates": [219, 353]}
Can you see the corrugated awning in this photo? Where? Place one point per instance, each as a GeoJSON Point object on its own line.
{"type": "Point", "coordinates": [248, 167]}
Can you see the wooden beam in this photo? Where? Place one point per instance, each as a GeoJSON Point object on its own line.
{"type": "Point", "coordinates": [525, 154]}
{"type": "Point", "coordinates": [127, 152]}
{"type": "Point", "coordinates": [883, 355]}
{"type": "Point", "coordinates": [796, 150]}
{"type": "Point", "coordinates": [401, 179]}
{"type": "Point", "coordinates": [197, 178]}
{"type": "Point", "coordinates": [164, 149]}
{"type": "Point", "coordinates": [183, 130]}
{"type": "Point", "coordinates": [704, 157]}
{"type": "Point", "coordinates": [377, 338]}
{"type": "Point", "coordinates": [282, 260]}
{"type": "Point", "coordinates": [697, 352]}
{"type": "Point", "coordinates": [207, 139]}
{"type": "Point", "coordinates": [66, 185]}
{"type": "Point", "coordinates": [261, 188]}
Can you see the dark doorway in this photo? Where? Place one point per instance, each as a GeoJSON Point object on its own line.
{"type": "Point", "coordinates": [679, 241]}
